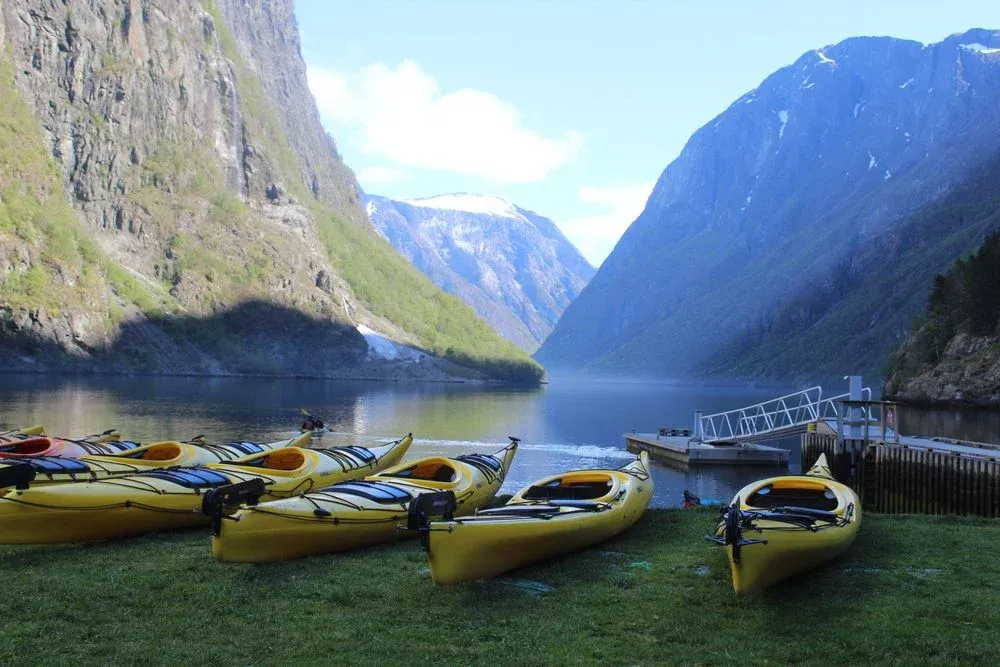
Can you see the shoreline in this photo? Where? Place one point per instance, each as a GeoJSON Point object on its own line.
{"type": "Point", "coordinates": [270, 376]}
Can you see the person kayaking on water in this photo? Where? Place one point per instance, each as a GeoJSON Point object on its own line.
{"type": "Point", "coordinates": [312, 423]}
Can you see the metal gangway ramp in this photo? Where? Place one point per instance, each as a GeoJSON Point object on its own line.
{"type": "Point", "coordinates": [776, 418]}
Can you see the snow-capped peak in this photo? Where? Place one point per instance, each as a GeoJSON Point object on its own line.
{"type": "Point", "coordinates": [470, 203]}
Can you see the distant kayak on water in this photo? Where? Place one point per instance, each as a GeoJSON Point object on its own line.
{"type": "Point", "coordinates": [312, 425]}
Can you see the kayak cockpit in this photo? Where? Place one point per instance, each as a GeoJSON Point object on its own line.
{"type": "Point", "coordinates": [428, 470]}
{"type": "Point", "coordinates": [572, 487]}
{"type": "Point", "coordinates": [28, 447]}
{"type": "Point", "coordinates": [290, 459]}
{"type": "Point", "coordinates": [161, 451]}
{"type": "Point", "coordinates": [795, 493]}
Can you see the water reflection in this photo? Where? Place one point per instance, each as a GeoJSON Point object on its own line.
{"type": "Point", "coordinates": [563, 425]}
{"type": "Point", "coordinates": [968, 425]}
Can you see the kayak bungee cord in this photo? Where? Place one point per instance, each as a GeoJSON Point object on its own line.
{"type": "Point", "coordinates": [802, 518]}
{"type": "Point", "coordinates": [311, 497]}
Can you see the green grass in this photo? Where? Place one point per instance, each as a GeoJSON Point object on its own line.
{"type": "Point", "coordinates": [912, 590]}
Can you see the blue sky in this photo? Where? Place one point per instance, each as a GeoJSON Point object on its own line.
{"type": "Point", "coordinates": [570, 109]}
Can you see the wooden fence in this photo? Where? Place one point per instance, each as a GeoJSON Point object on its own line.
{"type": "Point", "coordinates": [898, 479]}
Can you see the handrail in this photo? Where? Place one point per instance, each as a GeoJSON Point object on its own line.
{"type": "Point", "coordinates": [785, 413]}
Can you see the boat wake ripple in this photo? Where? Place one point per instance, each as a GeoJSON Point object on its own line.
{"type": "Point", "coordinates": [586, 451]}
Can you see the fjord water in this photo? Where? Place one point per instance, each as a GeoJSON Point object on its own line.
{"type": "Point", "coordinates": [563, 425]}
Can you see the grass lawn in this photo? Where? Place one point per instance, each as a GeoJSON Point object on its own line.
{"type": "Point", "coordinates": [911, 590]}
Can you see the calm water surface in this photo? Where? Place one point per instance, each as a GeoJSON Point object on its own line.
{"type": "Point", "coordinates": [564, 425]}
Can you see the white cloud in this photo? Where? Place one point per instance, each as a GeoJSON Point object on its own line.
{"type": "Point", "coordinates": [379, 175]}
{"type": "Point", "coordinates": [402, 115]}
{"type": "Point", "coordinates": [595, 235]}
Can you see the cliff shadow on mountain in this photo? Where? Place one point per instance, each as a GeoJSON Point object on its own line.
{"type": "Point", "coordinates": [254, 338]}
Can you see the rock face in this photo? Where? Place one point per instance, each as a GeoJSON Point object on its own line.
{"type": "Point", "coordinates": [775, 198]}
{"type": "Point", "coordinates": [200, 179]}
{"type": "Point", "coordinates": [514, 267]}
{"type": "Point", "coordinates": [953, 355]}
{"type": "Point", "coordinates": [968, 373]}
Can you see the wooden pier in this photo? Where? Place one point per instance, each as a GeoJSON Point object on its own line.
{"type": "Point", "coordinates": [680, 450]}
{"type": "Point", "coordinates": [915, 475]}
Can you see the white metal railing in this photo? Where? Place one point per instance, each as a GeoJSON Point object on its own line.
{"type": "Point", "coordinates": [789, 413]}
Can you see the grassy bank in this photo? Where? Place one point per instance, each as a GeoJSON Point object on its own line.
{"type": "Point", "coordinates": [912, 589]}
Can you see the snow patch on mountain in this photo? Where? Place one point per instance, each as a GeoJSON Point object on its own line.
{"type": "Point", "coordinates": [824, 60]}
{"type": "Point", "coordinates": [383, 347]}
{"type": "Point", "coordinates": [976, 47]}
{"type": "Point", "coordinates": [469, 203]}
{"type": "Point", "coordinates": [783, 117]}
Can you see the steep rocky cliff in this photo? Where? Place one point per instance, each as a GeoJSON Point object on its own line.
{"type": "Point", "coordinates": [205, 196]}
{"type": "Point", "coordinates": [514, 267]}
{"type": "Point", "coordinates": [772, 202]}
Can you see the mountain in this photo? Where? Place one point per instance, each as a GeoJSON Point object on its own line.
{"type": "Point", "coordinates": [514, 267]}
{"type": "Point", "coordinates": [953, 356]}
{"type": "Point", "coordinates": [169, 202]}
{"type": "Point", "coordinates": [784, 196]}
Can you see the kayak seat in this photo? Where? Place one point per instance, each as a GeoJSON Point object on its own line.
{"type": "Point", "coordinates": [279, 459]}
{"type": "Point", "coordinates": [190, 478]}
{"type": "Point", "coordinates": [433, 470]}
{"type": "Point", "coordinates": [48, 465]}
{"type": "Point", "coordinates": [379, 492]}
{"type": "Point", "coordinates": [284, 459]}
{"type": "Point", "coordinates": [163, 452]}
{"type": "Point", "coordinates": [816, 497]}
{"type": "Point", "coordinates": [573, 490]}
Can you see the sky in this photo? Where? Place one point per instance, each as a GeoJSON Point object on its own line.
{"type": "Point", "coordinates": [571, 109]}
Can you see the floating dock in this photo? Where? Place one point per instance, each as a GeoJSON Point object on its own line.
{"type": "Point", "coordinates": [679, 450]}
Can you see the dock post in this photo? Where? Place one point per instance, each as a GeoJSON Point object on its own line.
{"type": "Point", "coordinates": [854, 413]}
{"type": "Point", "coordinates": [841, 413]}
{"type": "Point", "coordinates": [699, 433]}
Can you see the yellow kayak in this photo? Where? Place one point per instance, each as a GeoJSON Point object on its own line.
{"type": "Point", "coordinates": [351, 515]}
{"type": "Point", "coordinates": [553, 516]}
{"type": "Point", "coordinates": [781, 526]}
{"type": "Point", "coordinates": [22, 471]}
{"type": "Point", "coordinates": [172, 497]}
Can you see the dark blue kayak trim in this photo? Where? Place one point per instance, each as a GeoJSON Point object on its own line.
{"type": "Point", "coordinates": [245, 447]}
{"type": "Point", "coordinates": [190, 478]}
{"type": "Point", "coordinates": [380, 492]}
{"type": "Point", "coordinates": [48, 465]}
